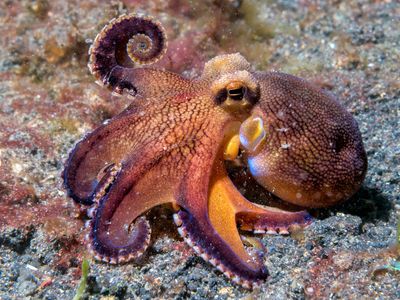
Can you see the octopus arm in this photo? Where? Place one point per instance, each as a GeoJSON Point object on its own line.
{"type": "Point", "coordinates": [207, 223]}
{"type": "Point", "coordinates": [119, 231]}
{"type": "Point", "coordinates": [126, 43]}
{"type": "Point", "coordinates": [148, 83]}
{"type": "Point", "coordinates": [97, 156]}
{"type": "Point", "coordinates": [225, 198]}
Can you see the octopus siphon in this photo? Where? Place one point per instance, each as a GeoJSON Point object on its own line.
{"type": "Point", "coordinates": [169, 147]}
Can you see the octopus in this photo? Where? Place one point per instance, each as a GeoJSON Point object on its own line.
{"type": "Point", "coordinates": [170, 145]}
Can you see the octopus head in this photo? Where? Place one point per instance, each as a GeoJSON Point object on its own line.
{"type": "Point", "coordinates": [299, 141]}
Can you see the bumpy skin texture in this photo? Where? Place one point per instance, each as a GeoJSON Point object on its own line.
{"type": "Point", "coordinates": [313, 155]}
{"type": "Point", "coordinates": [169, 146]}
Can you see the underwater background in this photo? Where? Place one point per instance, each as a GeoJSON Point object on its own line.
{"type": "Point", "coordinates": [49, 100]}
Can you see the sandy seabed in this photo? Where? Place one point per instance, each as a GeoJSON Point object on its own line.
{"type": "Point", "coordinates": [48, 101]}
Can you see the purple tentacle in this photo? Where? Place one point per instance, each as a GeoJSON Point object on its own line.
{"type": "Point", "coordinates": [124, 40]}
{"type": "Point", "coordinates": [90, 162]}
{"type": "Point", "coordinates": [198, 232]}
{"type": "Point", "coordinates": [118, 231]}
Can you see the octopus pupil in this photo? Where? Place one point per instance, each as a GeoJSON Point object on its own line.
{"type": "Point", "coordinates": [237, 94]}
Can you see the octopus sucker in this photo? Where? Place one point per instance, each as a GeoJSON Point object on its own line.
{"type": "Point", "coordinates": [169, 147]}
{"type": "Point", "coordinates": [246, 280]}
{"type": "Point", "coordinates": [113, 253]}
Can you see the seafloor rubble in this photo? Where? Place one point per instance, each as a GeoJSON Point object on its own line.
{"type": "Point", "coordinates": [48, 100]}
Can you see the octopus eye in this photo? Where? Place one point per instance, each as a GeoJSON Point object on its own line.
{"type": "Point", "coordinates": [236, 91]}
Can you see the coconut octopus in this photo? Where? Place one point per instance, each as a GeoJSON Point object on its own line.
{"type": "Point", "coordinates": [169, 146]}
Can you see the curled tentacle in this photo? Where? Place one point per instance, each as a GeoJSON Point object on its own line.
{"type": "Point", "coordinates": [119, 231]}
{"type": "Point", "coordinates": [235, 263]}
{"type": "Point", "coordinates": [92, 162]}
{"type": "Point", "coordinates": [114, 252]}
{"type": "Point", "coordinates": [207, 223]}
{"type": "Point", "coordinates": [122, 42]}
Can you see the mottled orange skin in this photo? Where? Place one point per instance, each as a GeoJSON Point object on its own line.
{"type": "Point", "coordinates": [313, 155]}
{"type": "Point", "coordinates": [168, 147]}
